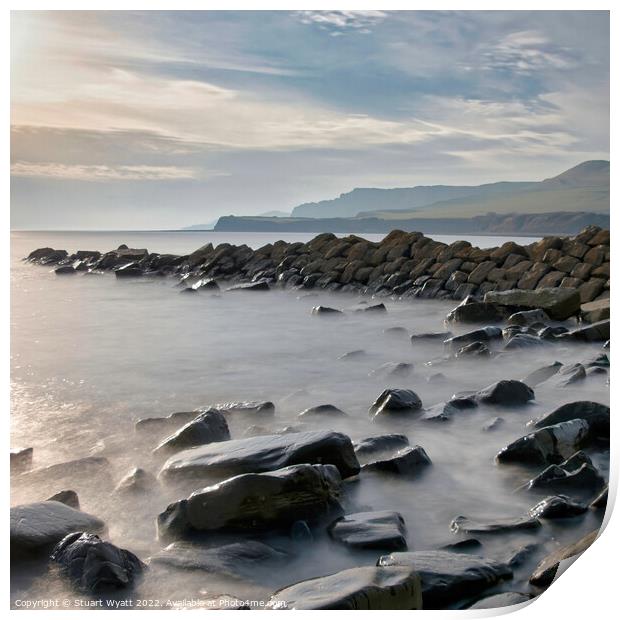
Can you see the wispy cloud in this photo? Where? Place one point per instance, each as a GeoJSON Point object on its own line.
{"type": "Point", "coordinates": [338, 22]}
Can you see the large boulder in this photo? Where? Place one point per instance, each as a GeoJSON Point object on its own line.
{"type": "Point", "coordinates": [371, 446]}
{"type": "Point", "coordinates": [93, 565]}
{"type": "Point", "coordinates": [447, 577]}
{"type": "Point", "coordinates": [208, 426]}
{"type": "Point", "coordinates": [371, 530]}
{"type": "Point", "coordinates": [551, 444]}
{"type": "Point", "coordinates": [505, 393]}
{"type": "Point", "coordinates": [596, 311]}
{"type": "Point", "coordinates": [575, 476]}
{"type": "Point", "coordinates": [558, 303]}
{"type": "Point", "coordinates": [409, 461]}
{"type": "Point", "coordinates": [395, 401]}
{"type": "Point", "coordinates": [471, 311]}
{"type": "Point", "coordinates": [265, 453]}
{"type": "Point", "coordinates": [366, 587]}
{"type": "Point", "coordinates": [594, 332]}
{"type": "Point", "coordinates": [595, 414]}
{"type": "Point", "coordinates": [251, 502]}
{"type": "Point", "coordinates": [557, 507]}
{"type": "Point", "coordinates": [36, 528]}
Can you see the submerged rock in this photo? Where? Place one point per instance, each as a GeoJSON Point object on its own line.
{"type": "Point", "coordinates": [366, 587]}
{"type": "Point", "coordinates": [486, 334]}
{"type": "Point", "coordinates": [469, 526]}
{"type": "Point", "coordinates": [325, 311]}
{"type": "Point", "coordinates": [250, 286]}
{"type": "Point", "coordinates": [67, 497]}
{"type": "Point", "coordinates": [94, 565]}
{"type": "Point", "coordinates": [392, 369]}
{"type": "Point", "coordinates": [78, 470]}
{"type": "Point", "coordinates": [381, 443]}
{"type": "Point", "coordinates": [352, 355]}
{"type": "Point", "coordinates": [320, 411]}
{"type": "Point", "coordinates": [525, 318]}
{"type": "Point", "coordinates": [503, 599]}
{"type": "Point", "coordinates": [371, 530]}
{"type": "Point", "coordinates": [208, 426]}
{"type": "Point", "coordinates": [407, 462]}
{"type": "Point", "coordinates": [430, 337]}
{"type": "Point", "coordinates": [170, 421]}
{"type": "Point", "coordinates": [600, 501]}
{"type": "Point", "coordinates": [21, 459]}
{"type": "Point", "coordinates": [136, 481]}
{"type": "Point", "coordinates": [36, 528]}
{"type": "Point", "coordinates": [263, 453]}
{"type": "Point", "coordinates": [506, 393]}
{"type": "Point", "coordinates": [542, 374]}
{"type": "Point", "coordinates": [395, 401]}
{"type": "Point", "coordinates": [445, 411]}
{"type": "Point", "coordinates": [447, 577]}
{"type": "Point", "coordinates": [557, 507]}
{"type": "Point", "coordinates": [251, 502]}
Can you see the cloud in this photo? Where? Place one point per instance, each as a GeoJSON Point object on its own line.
{"type": "Point", "coordinates": [337, 22]}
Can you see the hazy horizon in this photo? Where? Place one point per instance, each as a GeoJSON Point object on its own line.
{"type": "Point", "coordinates": [160, 120]}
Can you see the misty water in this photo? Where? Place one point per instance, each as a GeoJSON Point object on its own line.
{"type": "Point", "coordinates": [90, 355]}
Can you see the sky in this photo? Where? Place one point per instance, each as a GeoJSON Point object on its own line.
{"type": "Point", "coordinates": [160, 120]}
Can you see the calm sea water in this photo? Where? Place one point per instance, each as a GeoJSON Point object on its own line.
{"type": "Point", "coordinates": [91, 355]}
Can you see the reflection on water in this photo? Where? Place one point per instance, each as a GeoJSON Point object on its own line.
{"type": "Point", "coordinates": [91, 355]}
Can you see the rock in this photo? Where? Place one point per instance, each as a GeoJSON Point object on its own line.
{"type": "Point", "coordinates": [595, 332]}
{"type": "Point", "coordinates": [542, 374]}
{"type": "Point", "coordinates": [129, 270]}
{"type": "Point", "coordinates": [250, 286]}
{"type": "Point", "coordinates": [595, 414]}
{"type": "Point", "coordinates": [469, 311]}
{"type": "Point", "coordinates": [486, 334]}
{"type": "Point", "coordinates": [395, 401]}
{"type": "Point", "coordinates": [474, 349]}
{"type": "Point", "coordinates": [21, 459]}
{"type": "Point", "coordinates": [366, 587]}
{"type": "Point", "coordinates": [371, 530]}
{"type": "Point", "coordinates": [600, 501]}
{"type": "Point", "coordinates": [373, 308]}
{"type": "Point", "coordinates": [525, 318]}
{"type": "Point", "coordinates": [590, 290]}
{"type": "Point", "coordinates": [94, 565]}
{"type": "Point", "coordinates": [78, 470]}
{"type": "Point", "coordinates": [382, 443]}
{"type": "Point", "coordinates": [444, 411]}
{"type": "Point", "coordinates": [447, 577]}
{"type": "Point", "coordinates": [408, 461]}
{"type": "Point", "coordinates": [545, 572]}
{"type": "Point", "coordinates": [480, 273]}
{"type": "Point", "coordinates": [254, 502]}
{"type": "Point", "coordinates": [325, 311]}
{"type": "Point", "coordinates": [64, 270]}
{"type": "Point", "coordinates": [493, 424]}
{"type": "Point", "coordinates": [171, 421]}
{"type": "Point", "coordinates": [392, 369]}
{"type": "Point", "coordinates": [45, 256]}
{"type": "Point", "coordinates": [208, 426]}
{"type": "Point", "coordinates": [260, 454]}
{"type": "Point", "coordinates": [581, 481]}
{"type": "Point", "coordinates": [469, 526]}
{"type": "Point", "coordinates": [137, 481]}
{"type": "Point", "coordinates": [557, 507]}
{"type": "Point", "coordinates": [322, 411]}
{"type": "Point", "coordinates": [558, 303]}
{"type": "Point", "coordinates": [463, 546]}
{"type": "Point", "coordinates": [595, 311]}
{"type": "Point", "coordinates": [262, 408]}
{"type": "Point", "coordinates": [505, 393]}
{"type": "Point", "coordinates": [67, 497]}
{"type": "Point", "coordinates": [352, 355]}
{"type": "Point", "coordinates": [205, 284]}
{"type": "Point", "coordinates": [396, 331]}
{"type": "Point", "coordinates": [503, 599]}
{"type": "Point", "coordinates": [523, 341]}
{"type": "Point", "coordinates": [551, 444]}
{"type": "Point", "coordinates": [567, 375]}
{"type": "Point", "coordinates": [430, 337]}
{"type": "Point", "coordinates": [36, 528]}
{"type": "Point", "coordinates": [246, 559]}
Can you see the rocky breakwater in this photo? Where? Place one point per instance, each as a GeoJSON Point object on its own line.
{"type": "Point", "coordinates": [403, 264]}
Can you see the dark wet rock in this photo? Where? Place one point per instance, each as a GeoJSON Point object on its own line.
{"type": "Point", "coordinates": [545, 572]}
{"type": "Point", "coordinates": [261, 285]}
{"type": "Point", "coordinates": [430, 337]}
{"type": "Point", "coordinates": [596, 311]}
{"type": "Point", "coordinates": [600, 501]}
{"type": "Point", "coordinates": [94, 565]}
{"type": "Point", "coordinates": [173, 420]}
{"type": "Point", "coordinates": [246, 559]}
{"type": "Point", "coordinates": [493, 424]}
{"type": "Point", "coordinates": [21, 459]}
{"type": "Point", "coordinates": [567, 375]}
{"type": "Point", "coordinates": [129, 271]}
{"type": "Point", "coordinates": [447, 577]}
{"type": "Point", "coordinates": [551, 444]}
{"type": "Point", "coordinates": [595, 332]}
{"type": "Point", "coordinates": [256, 501]}
{"type": "Point", "coordinates": [395, 401]}
{"type": "Point", "coordinates": [470, 526]}
{"type": "Point", "coordinates": [485, 334]}
{"type": "Point", "coordinates": [557, 507]}
{"type": "Point", "coordinates": [409, 461]}
{"type": "Point", "coordinates": [542, 374]}
{"type": "Point", "coordinates": [36, 528]}
{"type": "Point", "coordinates": [65, 270]}
{"type": "Point", "coordinates": [205, 284]}
{"type": "Point", "coordinates": [503, 599]}
{"type": "Point", "coordinates": [505, 393]}
{"type": "Point", "coordinates": [325, 311]}
{"type": "Point", "coordinates": [523, 341]}
{"type": "Point", "coordinates": [67, 497]}
{"type": "Point", "coordinates": [322, 411]}
{"type": "Point", "coordinates": [380, 307]}
{"type": "Point", "coordinates": [473, 349]}
{"type": "Point", "coordinates": [380, 444]}
{"type": "Point", "coordinates": [557, 303]}
{"type": "Point", "coordinates": [137, 481]}
{"type": "Point", "coordinates": [519, 556]}
{"type": "Point", "coordinates": [574, 462]}
{"type": "Point", "coordinates": [445, 411]}
{"type": "Point", "coordinates": [525, 318]}
{"type": "Point", "coordinates": [353, 355]}
{"type": "Point", "coordinates": [78, 470]}
{"type": "Point", "coordinates": [262, 408]}
{"type": "Point", "coordinates": [46, 256]}
{"type": "Point", "coordinates": [392, 369]}
{"type": "Point", "coordinates": [371, 530]}
{"type": "Point", "coordinates": [366, 587]}
{"type": "Point", "coordinates": [463, 546]}
{"type": "Point", "coordinates": [551, 332]}
{"type": "Point", "coordinates": [471, 311]}
{"type": "Point", "coordinates": [207, 427]}
{"type": "Point", "coordinates": [595, 414]}
{"type": "Point", "coordinates": [582, 481]}
{"type": "Point", "coordinates": [260, 454]}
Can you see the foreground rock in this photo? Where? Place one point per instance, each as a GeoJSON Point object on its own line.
{"type": "Point", "coordinates": [371, 530]}
{"type": "Point", "coordinates": [558, 303]}
{"type": "Point", "coordinates": [595, 414]}
{"type": "Point", "coordinates": [366, 587]}
{"type": "Point", "coordinates": [557, 507]}
{"type": "Point", "coordinates": [469, 526]}
{"type": "Point", "coordinates": [447, 577]}
{"type": "Point", "coordinates": [252, 502]}
{"type": "Point", "coordinates": [208, 427]}
{"type": "Point", "coordinates": [93, 565]}
{"type": "Point", "coordinates": [36, 528]}
{"type": "Point", "coordinates": [505, 393]}
{"type": "Point", "coordinates": [409, 461]}
{"type": "Point", "coordinates": [264, 453]}
{"type": "Point", "coordinates": [576, 476]}
{"type": "Point", "coordinates": [395, 402]}
{"type": "Point", "coordinates": [546, 570]}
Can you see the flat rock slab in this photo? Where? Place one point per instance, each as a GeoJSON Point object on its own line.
{"type": "Point", "coordinates": [371, 530]}
{"type": "Point", "coordinates": [263, 453]}
{"type": "Point", "coordinates": [558, 303]}
{"type": "Point", "coordinates": [250, 502]}
{"type": "Point", "coordinates": [367, 587]}
{"type": "Point", "coordinates": [471, 526]}
{"type": "Point", "coordinates": [36, 528]}
{"type": "Point", "coordinates": [447, 577]}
